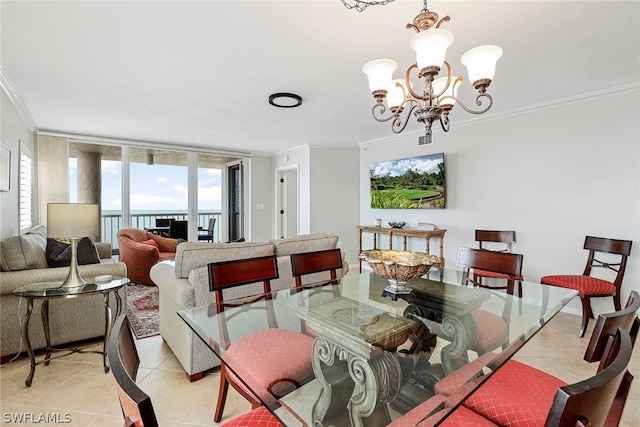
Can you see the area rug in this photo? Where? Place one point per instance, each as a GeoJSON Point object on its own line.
{"type": "Point", "coordinates": [142, 302]}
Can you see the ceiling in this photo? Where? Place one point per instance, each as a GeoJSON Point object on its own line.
{"type": "Point", "coordinates": [199, 73]}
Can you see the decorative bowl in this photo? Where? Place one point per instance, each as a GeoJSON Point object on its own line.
{"type": "Point", "coordinates": [399, 267]}
{"type": "Point", "coordinates": [397, 224]}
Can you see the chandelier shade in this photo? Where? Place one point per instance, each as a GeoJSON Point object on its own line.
{"type": "Point", "coordinates": [379, 73]}
{"type": "Point", "coordinates": [446, 94]}
{"type": "Point", "coordinates": [481, 62]}
{"type": "Point", "coordinates": [439, 95]}
{"type": "Point", "coordinates": [431, 47]}
{"type": "Point", "coordinates": [397, 93]}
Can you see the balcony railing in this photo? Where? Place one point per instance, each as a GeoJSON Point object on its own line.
{"type": "Point", "coordinates": [112, 223]}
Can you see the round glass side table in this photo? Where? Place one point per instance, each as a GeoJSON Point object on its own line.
{"type": "Point", "coordinates": [47, 291]}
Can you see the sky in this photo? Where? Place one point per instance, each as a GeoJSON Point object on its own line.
{"type": "Point", "coordinates": [421, 164]}
{"type": "Point", "coordinates": [153, 187]}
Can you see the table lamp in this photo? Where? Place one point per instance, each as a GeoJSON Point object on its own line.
{"type": "Point", "coordinates": [72, 221]}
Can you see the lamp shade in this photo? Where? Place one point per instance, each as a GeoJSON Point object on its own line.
{"type": "Point", "coordinates": [72, 220]}
{"type": "Point", "coordinates": [396, 94]}
{"type": "Point", "coordinates": [380, 73]}
{"type": "Point", "coordinates": [451, 92]}
{"type": "Point", "coordinates": [481, 62]}
{"type": "Point", "coordinates": [431, 47]}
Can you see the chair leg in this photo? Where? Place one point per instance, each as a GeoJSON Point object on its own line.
{"type": "Point", "coordinates": [222, 394]}
{"type": "Point", "coordinates": [616, 301]}
{"type": "Point", "coordinates": [586, 314]}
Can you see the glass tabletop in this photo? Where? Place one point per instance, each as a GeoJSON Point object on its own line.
{"type": "Point", "coordinates": [54, 290]}
{"type": "Point", "coordinates": [373, 356]}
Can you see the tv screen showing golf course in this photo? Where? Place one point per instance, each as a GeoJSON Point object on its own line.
{"type": "Point", "coordinates": [411, 183]}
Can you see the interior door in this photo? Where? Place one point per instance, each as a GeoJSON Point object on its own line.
{"type": "Point", "coordinates": [287, 202]}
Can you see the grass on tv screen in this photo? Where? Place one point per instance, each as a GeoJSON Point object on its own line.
{"type": "Point", "coordinates": [411, 183]}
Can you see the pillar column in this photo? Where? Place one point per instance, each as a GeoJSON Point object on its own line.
{"type": "Point", "coordinates": [90, 181]}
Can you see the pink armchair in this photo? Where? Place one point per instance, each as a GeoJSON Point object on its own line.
{"type": "Point", "coordinates": [140, 257]}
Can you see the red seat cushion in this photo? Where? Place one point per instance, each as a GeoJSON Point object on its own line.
{"type": "Point", "coordinates": [486, 273]}
{"type": "Point", "coordinates": [460, 417]}
{"type": "Point", "coordinates": [411, 418]}
{"type": "Point", "coordinates": [515, 395]}
{"type": "Point", "coordinates": [259, 417]}
{"type": "Point", "coordinates": [585, 285]}
{"type": "Point", "coordinates": [273, 362]}
{"type": "Point", "coordinates": [492, 329]}
{"type": "Point", "coordinates": [455, 380]}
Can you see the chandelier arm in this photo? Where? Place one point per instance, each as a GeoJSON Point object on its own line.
{"type": "Point", "coordinates": [449, 82]}
{"type": "Point", "coordinates": [444, 121]}
{"type": "Point", "coordinates": [407, 79]}
{"type": "Point", "coordinates": [478, 102]}
{"type": "Point", "coordinates": [378, 112]}
{"type": "Point", "coordinates": [398, 125]}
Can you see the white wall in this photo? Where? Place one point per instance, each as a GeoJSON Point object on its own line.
{"type": "Point", "coordinates": [259, 200]}
{"type": "Point", "coordinates": [13, 130]}
{"type": "Point", "coordinates": [554, 175]}
{"type": "Point", "coordinates": [335, 196]}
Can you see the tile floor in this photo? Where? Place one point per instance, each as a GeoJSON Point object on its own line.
{"type": "Point", "coordinates": [76, 387]}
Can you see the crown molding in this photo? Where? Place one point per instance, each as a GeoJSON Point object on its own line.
{"type": "Point", "coordinates": [516, 111]}
{"type": "Point", "coordinates": [16, 99]}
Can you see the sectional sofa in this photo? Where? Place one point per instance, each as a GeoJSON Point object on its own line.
{"type": "Point", "coordinates": [184, 283]}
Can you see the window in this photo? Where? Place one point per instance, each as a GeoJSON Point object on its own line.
{"type": "Point", "coordinates": [26, 181]}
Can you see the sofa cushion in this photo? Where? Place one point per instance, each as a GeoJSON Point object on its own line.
{"type": "Point", "coordinates": [190, 256]}
{"type": "Point", "coordinates": [25, 252]}
{"type": "Point", "coordinates": [59, 252]}
{"type": "Point", "coordinates": [305, 243]}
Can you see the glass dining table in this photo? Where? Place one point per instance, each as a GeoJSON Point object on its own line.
{"type": "Point", "coordinates": [374, 358]}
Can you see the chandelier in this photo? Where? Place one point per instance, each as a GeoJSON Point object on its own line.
{"type": "Point", "coordinates": [438, 95]}
{"type": "Point", "coordinates": [361, 5]}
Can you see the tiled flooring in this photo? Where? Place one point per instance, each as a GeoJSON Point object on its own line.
{"type": "Point", "coordinates": [77, 387]}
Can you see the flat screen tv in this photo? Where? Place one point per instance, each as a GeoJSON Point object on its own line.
{"type": "Point", "coordinates": [411, 183]}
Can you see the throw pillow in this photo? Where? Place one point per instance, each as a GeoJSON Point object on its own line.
{"type": "Point", "coordinates": [150, 242]}
{"type": "Point", "coordinates": [59, 252]}
{"type": "Point", "coordinates": [26, 251]}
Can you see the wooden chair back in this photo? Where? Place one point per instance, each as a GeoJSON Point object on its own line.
{"type": "Point", "coordinates": [607, 324]}
{"type": "Point", "coordinates": [124, 361]}
{"type": "Point", "coordinates": [508, 237]}
{"type": "Point", "coordinates": [597, 245]}
{"type": "Point", "coordinates": [506, 263]}
{"type": "Point", "coordinates": [231, 274]}
{"type": "Point", "coordinates": [589, 402]}
{"type": "Point", "coordinates": [306, 263]}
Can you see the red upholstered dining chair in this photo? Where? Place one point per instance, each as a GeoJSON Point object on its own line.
{"type": "Point", "coordinates": [311, 264]}
{"type": "Point", "coordinates": [518, 394]}
{"type": "Point", "coordinates": [493, 330]}
{"type": "Point", "coordinates": [591, 287]}
{"type": "Point", "coordinates": [135, 403]}
{"type": "Point", "coordinates": [275, 361]}
{"type": "Point", "coordinates": [496, 241]}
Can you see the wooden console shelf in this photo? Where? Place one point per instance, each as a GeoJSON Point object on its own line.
{"type": "Point", "coordinates": [404, 232]}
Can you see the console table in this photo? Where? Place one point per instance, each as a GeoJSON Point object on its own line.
{"type": "Point", "coordinates": [404, 232]}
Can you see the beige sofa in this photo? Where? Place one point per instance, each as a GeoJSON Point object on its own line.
{"type": "Point", "coordinates": [184, 283]}
{"type": "Point", "coordinates": [23, 261]}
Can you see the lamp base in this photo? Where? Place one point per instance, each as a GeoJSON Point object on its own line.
{"type": "Point", "coordinates": [73, 280]}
